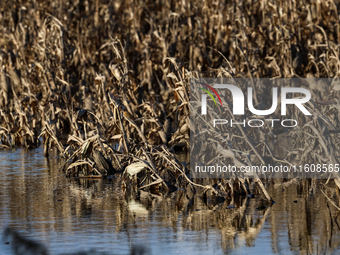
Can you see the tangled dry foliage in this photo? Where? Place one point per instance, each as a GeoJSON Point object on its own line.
{"type": "Point", "coordinates": [113, 76]}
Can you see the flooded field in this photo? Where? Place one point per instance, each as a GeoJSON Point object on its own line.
{"type": "Point", "coordinates": [100, 88]}
{"type": "Point", "coordinates": [96, 216]}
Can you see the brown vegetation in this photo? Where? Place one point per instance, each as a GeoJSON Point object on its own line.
{"type": "Point", "coordinates": [113, 76]}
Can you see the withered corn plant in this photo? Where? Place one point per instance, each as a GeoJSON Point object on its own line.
{"type": "Point", "coordinates": [113, 77]}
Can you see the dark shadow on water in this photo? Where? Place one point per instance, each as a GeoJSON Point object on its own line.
{"type": "Point", "coordinates": [21, 245]}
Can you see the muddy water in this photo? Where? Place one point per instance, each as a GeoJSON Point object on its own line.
{"type": "Point", "coordinates": [95, 215]}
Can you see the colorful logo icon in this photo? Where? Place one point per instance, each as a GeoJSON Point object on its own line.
{"type": "Point", "coordinates": [209, 93]}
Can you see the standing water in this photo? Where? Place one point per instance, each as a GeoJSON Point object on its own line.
{"type": "Point", "coordinates": [96, 216]}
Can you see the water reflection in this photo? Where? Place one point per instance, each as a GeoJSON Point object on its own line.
{"type": "Point", "coordinates": [98, 215]}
